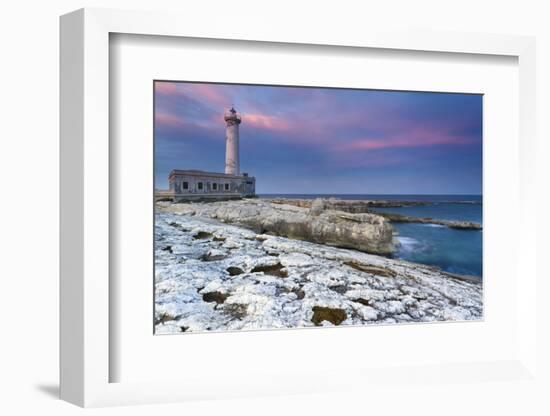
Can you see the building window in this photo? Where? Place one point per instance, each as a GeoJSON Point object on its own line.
{"type": "Point", "coordinates": [185, 185]}
{"type": "Point", "coordinates": [227, 187]}
{"type": "Point", "coordinates": [199, 186]}
{"type": "Point", "coordinates": [215, 186]}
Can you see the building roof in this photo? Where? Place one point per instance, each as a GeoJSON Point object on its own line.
{"type": "Point", "coordinates": [196, 172]}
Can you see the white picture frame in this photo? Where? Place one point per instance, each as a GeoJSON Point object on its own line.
{"type": "Point", "coordinates": [85, 205]}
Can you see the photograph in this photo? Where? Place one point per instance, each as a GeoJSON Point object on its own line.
{"type": "Point", "coordinates": [289, 207]}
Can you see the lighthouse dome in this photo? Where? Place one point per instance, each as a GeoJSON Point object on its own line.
{"type": "Point", "coordinates": [231, 115]}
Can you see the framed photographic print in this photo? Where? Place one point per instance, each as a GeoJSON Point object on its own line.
{"type": "Point", "coordinates": [243, 215]}
{"type": "Point", "coordinates": [344, 184]}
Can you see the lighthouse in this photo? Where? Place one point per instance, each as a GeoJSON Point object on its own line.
{"type": "Point", "coordinates": [232, 162]}
{"type": "Point", "coordinates": [200, 185]}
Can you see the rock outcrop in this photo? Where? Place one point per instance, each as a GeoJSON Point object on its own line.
{"type": "Point", "coordinates": [460, 225]}
{"type": "Point", "coordinates": [365, 232]}
{"type": "Point", "coordinates": [365, 206]}
{"type": "Point", "coordinates": [347, 205]}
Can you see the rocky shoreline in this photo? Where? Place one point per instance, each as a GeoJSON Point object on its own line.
{"type": "Point", "coordinates": [219, 266]}
{"type": "Point", "coordinates": [347, 205]}
{"type": "Point", "coordinates": [366, 206]}
{"type": "Point", "coordinates": [459, 225]}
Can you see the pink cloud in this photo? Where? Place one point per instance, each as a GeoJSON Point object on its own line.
{"type": "Point", "coordinates": [212, 94]}
{"type": "Point", "coordinates": [417, 138]}
{"type": "Point", "coordinates": [168, 120]}
{"type": "Point", "coordinates": [265, 122]}
{"type": "Point", "coordinates": [209, 94]}
{"type": "Point", "coordinates": [166, 88]}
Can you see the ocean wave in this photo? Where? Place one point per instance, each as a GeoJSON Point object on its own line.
{"type": "Point", "coordinates": [409, 246]}
{"type": "Point", "coordinates": [408, 243]}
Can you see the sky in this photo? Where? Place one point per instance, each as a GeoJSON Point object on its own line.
{"type": "Point", "coordinates": [324, 140]}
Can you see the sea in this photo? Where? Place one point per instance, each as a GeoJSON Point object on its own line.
{"type": "Point", "coordinates": [454, 251]}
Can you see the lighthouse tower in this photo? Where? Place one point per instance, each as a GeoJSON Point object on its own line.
{"type": "Point", "coordinates": [232, 162]}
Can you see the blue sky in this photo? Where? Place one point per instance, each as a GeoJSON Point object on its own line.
{"type": "Point", "coordinates": [319, 140]}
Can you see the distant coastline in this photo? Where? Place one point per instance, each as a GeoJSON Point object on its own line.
{"type": "Point", "coordinates": [434, 198]}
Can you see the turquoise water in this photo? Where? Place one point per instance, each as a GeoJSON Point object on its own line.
{"type": "Point", "coordinates": [455, 251]}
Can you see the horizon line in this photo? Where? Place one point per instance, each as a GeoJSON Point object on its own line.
{"type": "Point", "coordinates": [373, 193]}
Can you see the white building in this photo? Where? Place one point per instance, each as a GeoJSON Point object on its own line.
{"type": "Point", "coordinates": [187, 185]}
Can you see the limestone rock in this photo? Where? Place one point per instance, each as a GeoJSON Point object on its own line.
{"type": "Point", "coordinates": [366, 232]}
{"type": "Point", "coordinates": [317, 206]}
{"type": "Point", "coordinates": [365, 206]}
